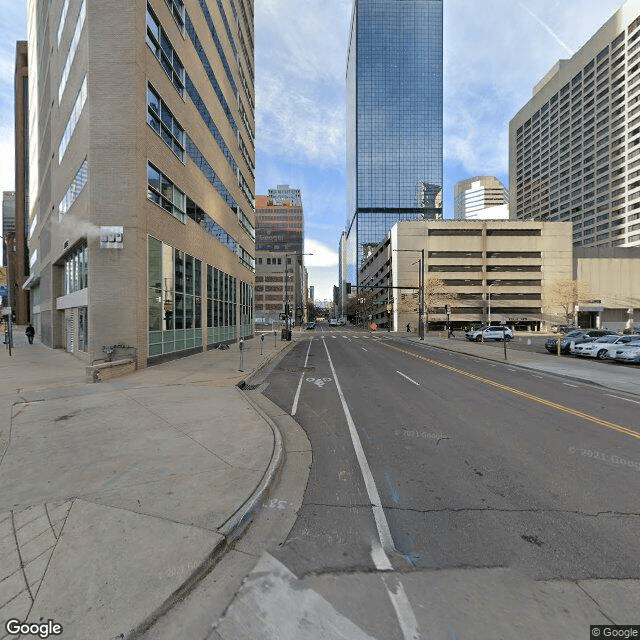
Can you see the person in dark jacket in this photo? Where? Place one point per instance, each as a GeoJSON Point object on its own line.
{"type": "Point", "coordinates": [30, 332]}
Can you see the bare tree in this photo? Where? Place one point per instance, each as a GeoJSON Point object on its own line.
{"type": "Point", "coordinates": [436, 296]}
{"type": "Point", "coordinates": [363, 304]}
{"type": "Point", "coordinates": [566, 294]}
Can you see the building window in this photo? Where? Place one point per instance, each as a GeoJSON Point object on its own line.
{"type": "Point", "coordinates": [164, 193]}
{"type": "Point", "coordinates": [161, 120]}
{"type": "Point", "coordinates": [76, 269]}
{"type": "Point", "coordinates": [76, 186]}
{"type": "Point", "coordinates": [72, 51]}
{"type": "Point", "coordinates": [73, 119]}
{"type": "Point", "coordinates": [177, 10]}
{"type": "Point", "coordinates": [175, 299]}
{"type": "Point", "coordinates": [161, 46]}
{"type": "Point", "coordinates": [221, 306]}
{"type": "Point", "coordinates": [63, 17]}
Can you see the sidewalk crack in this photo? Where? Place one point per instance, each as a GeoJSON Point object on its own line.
{"type": "Point", "coordinates": [577, 583]}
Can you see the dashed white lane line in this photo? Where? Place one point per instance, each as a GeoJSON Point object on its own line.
{"type": "Point", "coordinates": [621, 398]}
{"type": "Point", "coordinates": [363, 348]}
{"type": "Point", "coordinates": [408, 378]}
{"type": "Point", "coordinates": [566, 384]}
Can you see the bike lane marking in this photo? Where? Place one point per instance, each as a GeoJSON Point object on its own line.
{"type": "Point", "coordinates": [294, 408]}
{"type": "Point", "coordinates": [399, 600]}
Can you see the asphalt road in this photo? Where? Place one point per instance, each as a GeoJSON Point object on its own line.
{"type": "Point", "coordinates": [477, 464]}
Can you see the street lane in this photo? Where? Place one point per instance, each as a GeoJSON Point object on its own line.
{"type": "Point", "coordinates": [469, 474]}
{"type": "Point", "coordinates": [335, 529]}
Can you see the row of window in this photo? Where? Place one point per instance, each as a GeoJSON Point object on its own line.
{"type": "Point", "coordinates": [161, 47]}
{"type": "Point", "coordinates": [72, 51]}
{"type": "Point", "coordinates": [161, 120]}
{"type": "Point", "coordinates": [163, 192]}
{"type": "Point", "coordinates": [73, 119]}
{"type": "Point", "coordinates": [76, 186]}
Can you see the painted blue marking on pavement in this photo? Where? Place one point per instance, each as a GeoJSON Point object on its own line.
{"type": "Point", "coordinates": [394, 494]}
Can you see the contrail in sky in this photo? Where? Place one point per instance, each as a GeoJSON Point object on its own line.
{"type": "Point", "coordinates": [547, 27]}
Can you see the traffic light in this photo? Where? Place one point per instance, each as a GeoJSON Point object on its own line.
{"type": "Point", "coordinates": [348, 287]}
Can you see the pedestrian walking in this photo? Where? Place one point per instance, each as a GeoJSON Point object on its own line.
{"type": "Point", "coordinates": [30, 332]}
{"type": "Point", "coordinates": [408, 327]}
{"type": "Point", "coordinates": [451, 332]}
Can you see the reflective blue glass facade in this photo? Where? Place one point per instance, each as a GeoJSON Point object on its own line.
{"type": "Point", "coordinates": [394, 119]}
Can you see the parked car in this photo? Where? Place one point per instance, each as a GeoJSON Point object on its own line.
{"type": "Point", "coordinates": [494, 332]}
{"type": "Point", "coordinates": [563, 328]}
{"type": "Point", "coordinates": [311, 325]}
{"type": "Point", "coordinates": [629, 352]}
{"type": "Point", "coordinates": [333, 322]}
{"type": "Point", "coordinates": [579, 335]}
{"type": "Point", "coordinates": [602, 348]}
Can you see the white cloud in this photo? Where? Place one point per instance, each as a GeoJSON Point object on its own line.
{"type": "Point", "coordinates": [493, 58]}
{"type": "Point", "coordinates": [300, 68]}
{"type": "Point", "coordinates": [322, 256]}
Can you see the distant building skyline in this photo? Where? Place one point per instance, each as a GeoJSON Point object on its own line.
{"type": "Point", "coordinates": [394, 120]}
{"type": "Point", "coordinates": [475, 198]}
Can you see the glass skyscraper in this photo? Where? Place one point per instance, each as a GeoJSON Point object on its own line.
{"type": "Point", "coordinates": [394, 120]}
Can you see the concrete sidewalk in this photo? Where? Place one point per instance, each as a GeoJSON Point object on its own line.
{"type": "Point", "coordinates": [613, 376]}
{"type": "Point", "coordinates": [115, 498]}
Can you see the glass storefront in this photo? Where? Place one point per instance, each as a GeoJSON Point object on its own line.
{"type": "Point", "coordinates": [177, 305]}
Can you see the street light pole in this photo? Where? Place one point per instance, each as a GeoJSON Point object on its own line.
{"type": "Point", "coordinates": [420, 289]}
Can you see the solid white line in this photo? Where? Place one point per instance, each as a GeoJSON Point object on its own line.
{"type": "Point", "coordinates": [382, 525]}
{"type": "Point", "coordinates": [294, 408]}
{"type": "Point", "coordinates": [621, 398]}
{"type": "Point", "coordinates": [401, 604]}
{"type": "Point", "coordinates": [408, 378]}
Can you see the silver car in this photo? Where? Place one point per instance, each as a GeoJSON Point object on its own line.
{"type": "Point", "coordinates": [603, 347]}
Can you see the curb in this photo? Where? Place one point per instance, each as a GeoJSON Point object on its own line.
{"type": "Point", "coordinates": [525, 366]}
{"type": "Point", "coordinates": [232, 529]}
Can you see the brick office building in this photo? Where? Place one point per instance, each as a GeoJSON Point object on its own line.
{"type": "Point", "coordinates": [141, 220]}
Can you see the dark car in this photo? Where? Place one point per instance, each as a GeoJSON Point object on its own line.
{"type": "Point", "coordinates": [576, 336]}
{"type": "Point", "coordinates": [311, 325]}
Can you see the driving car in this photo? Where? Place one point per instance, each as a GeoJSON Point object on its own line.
{"type": "Point", "coordinates": [579, 335]}
{"type": "Point", "coordinates": [333, 322]}
{"type": "Point", "coordinates": [494, 332]}
{"type": "Point", "coordinates": [311, 325]}
{"type": "Point", "coordinates": [603, 347]}
{"type": "Point", "coordinates": [563, 328]}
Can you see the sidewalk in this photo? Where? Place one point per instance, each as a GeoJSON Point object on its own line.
{"type": "Point", "coordinates": [613, 376]}
{"type": "Point", "coordinates": [115, 498]}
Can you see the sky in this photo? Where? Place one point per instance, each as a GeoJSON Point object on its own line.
{"type": "Point", "coordinates": [495, 52]}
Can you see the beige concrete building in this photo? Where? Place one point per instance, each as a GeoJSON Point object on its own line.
{"type": "Point", "coordinates": [141, 219]}
{"type": "Point", "coordinates": [574, 148]}
{"type": "Point", "coordinates": [497, 270]}
{"type": "Point", "coordinates": [612, 277]}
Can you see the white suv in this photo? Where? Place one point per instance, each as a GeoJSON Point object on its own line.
{"type": "Point", "coordinates": [494, 332]}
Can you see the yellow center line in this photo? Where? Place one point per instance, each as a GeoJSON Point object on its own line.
{"type": "Point", "coordinates": [522, 394]}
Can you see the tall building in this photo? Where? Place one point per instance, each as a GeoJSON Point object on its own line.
{"type": "Point", "coordinates": [394, 120]}
{"type": "Point", "coordinates": [574, 147]}
{"type": "Point", "coordinates": [8, 223]}
{"type": "Point", "coordinates": [280, 273]}
{"type": "Point", "coordinates": [141, 172]}
{"type": "Point", "coordinates": [20, 266]}
{"type": "Point", "coordinates": [482, 197]}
